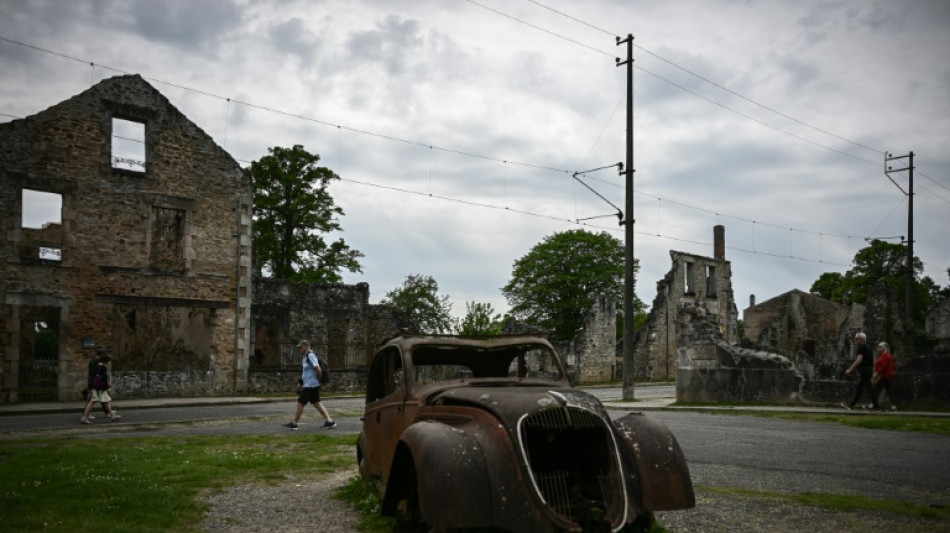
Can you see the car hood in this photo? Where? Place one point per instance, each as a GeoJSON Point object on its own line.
{"type": "Point", "coordinates": [509, 404]}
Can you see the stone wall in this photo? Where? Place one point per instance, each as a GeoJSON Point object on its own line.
{"type": "Point", "coordinates": [814, 331]}
{"type": "Point", "coordinates": [338, 320]}
{"type": "Point", "coordinates": [155, 255]}
{"type": "Point", "coordinates": [695, 286]}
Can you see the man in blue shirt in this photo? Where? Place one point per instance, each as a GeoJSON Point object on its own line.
{"type": "Point", "coordinates": [308, 388]}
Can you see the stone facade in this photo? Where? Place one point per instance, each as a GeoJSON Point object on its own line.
{"type": "Point", "coordinates": [338, 320]}
{"type": "Point", "coordinates": [591, 355]}
{"type": "Point", "coordinates": [696, 288]}
{"type": "Point", "coordinates": [938, 326]}
{"type": "Point", "coordinates": [150, 259]}
{"type": "Point", "coordinates": [815, 332]}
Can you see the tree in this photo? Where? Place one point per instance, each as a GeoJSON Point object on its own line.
{"type": "Point", "coordinates": [555, 285]}
{"type": "Point", "coordinates": [479, 319]}
{"type": "Point", "coordinates": [293, 212]}
{"type": "Point", "coordinates": [424, 309]}
{"type": "Point", "coordinates": [880, 260]}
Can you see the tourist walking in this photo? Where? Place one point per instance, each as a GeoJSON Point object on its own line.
{"type": "Point", "coordinates": [886, 368]}
{"type": "Point", "coordinates": [100, 386]}
{"type": "Point", "coordinates": [864, 364]}
{"type": "Point", "coordinates": [308, 388]}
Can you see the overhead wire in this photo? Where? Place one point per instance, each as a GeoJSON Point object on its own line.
{"type": "Point", "coordinates": [406, 141]}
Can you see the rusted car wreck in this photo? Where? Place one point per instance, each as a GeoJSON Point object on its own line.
{"type": "Point", "coordinates": [488, 432]}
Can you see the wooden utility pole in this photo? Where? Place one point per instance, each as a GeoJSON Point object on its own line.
{"type": "Point", "coordinates": [909, 275]}
{"type": "Point", "coordinates": [628, 280]}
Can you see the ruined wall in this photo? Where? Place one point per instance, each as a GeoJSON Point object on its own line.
{"type": "Point", "coordinates": [815, 331]}
{"type": "Point", "coordinates": [694, 286]}
{"type": "Point", "coordinates": [338, 321]}
{"type": "Point", "coordinates": [154, 253]}
{"type": "Point", "coordinates": [591, 355]}
{"type": "Point", "coordinates": [937, 325]}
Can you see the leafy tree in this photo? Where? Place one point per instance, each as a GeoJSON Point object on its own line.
{"type": "Point", "coordinates": [479, 319]}
{"type": "Point", "coordinates": [880, 260]}
{"type": "Point", "coordinates": [293, 213]}
{"type": "Point", "coordinates": [829, 285]}
{"type": "Point", "coordinates": [555, 285]}
{"type": "Point", "coordinates": [424, 309]}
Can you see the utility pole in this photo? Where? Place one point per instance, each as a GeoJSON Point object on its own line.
{"type": "Point", "coordinates": [628, 280]}
{"type": "Point", "coordinates": [909, 276]}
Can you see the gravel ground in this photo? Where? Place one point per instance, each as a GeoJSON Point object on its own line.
{"type": "Point", "coordinates": [295, 506]}
{"type": "Point", "coordinates": [285, 508]}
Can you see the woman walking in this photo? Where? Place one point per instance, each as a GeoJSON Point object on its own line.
{"type": "Point", "coordinates": [101, 383]}
{"type": "Point", "coordinates": [887, 369]}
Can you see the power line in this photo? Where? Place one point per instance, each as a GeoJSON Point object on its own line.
{"type": "Point", "coordinates": [711, 82]}
{"type": "Point", "coordinates": [424, 145]}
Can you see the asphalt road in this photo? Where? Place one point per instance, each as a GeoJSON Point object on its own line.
{"type": "Point", "coordinates": [721, 450]}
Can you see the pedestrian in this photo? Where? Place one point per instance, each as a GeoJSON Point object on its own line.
{"type": "Point", "coordinates": [886, 369]}
{"type": "Point", "coordinates": [308, 388]}
{"type": "Point", "coordinates": [93, 365]}
{"type": "Point", "coordinates": [99, 391]}
{"type": "Point", "coordinates": [864, 364]}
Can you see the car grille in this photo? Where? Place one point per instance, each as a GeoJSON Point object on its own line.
{"type": "Point", "coordinates": [572, 461]}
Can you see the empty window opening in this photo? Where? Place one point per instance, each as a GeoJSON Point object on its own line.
{"type": "Point", "coordinates": [42, 225]}
{"type": "Point", "coordinates": [710, 281]}
{"type": "Point", "coordinates": [128, 145]}
{"type": "Point", "coordinates": [688, 281]}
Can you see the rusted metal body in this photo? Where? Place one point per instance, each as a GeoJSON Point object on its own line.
{"type": "Point", "coordinates": [471, 432]}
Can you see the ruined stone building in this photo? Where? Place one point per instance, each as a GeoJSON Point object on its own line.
{"type": "Point", "coordinates": [937, 324]}
{"type": "Point", "coordinates": [338, 320]}
{"type": "Point", "coordinates": [146, 252]}
{"type": "Point", "coordinates": [696, 294]}
{"type": "Point", "coordinates": [814, 332]}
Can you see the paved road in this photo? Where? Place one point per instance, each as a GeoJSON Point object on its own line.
{"type": "Point", "coordinates": [721, 450]}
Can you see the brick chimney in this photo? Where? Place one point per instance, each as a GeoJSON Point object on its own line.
{"type": "Point", "coordinates": [719, 242]}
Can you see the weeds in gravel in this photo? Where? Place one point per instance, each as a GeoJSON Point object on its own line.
{"type": "Point", "coordinates": [149, 484]}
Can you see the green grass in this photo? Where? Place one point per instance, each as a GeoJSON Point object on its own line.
{"type": "Point", "coordinates": [146, 484]}
{"type": "Point", "coordinates": [364, 499]}
{"type": "Point", "coordinates": [893, 421]}
{"type": "Point", "coordinates": [847, 503]}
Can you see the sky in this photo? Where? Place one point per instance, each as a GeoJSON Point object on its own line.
{"type": "Point", "coordinates": [457, 126]}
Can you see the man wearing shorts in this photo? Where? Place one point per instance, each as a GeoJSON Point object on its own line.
{"type": "Point", "coordinates": [308, 388]}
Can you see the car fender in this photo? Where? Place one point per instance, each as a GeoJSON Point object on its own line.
{"type": "Point", "coordinates": [433, 456]}
{"type": "Point", "coordinates": [664, 480]}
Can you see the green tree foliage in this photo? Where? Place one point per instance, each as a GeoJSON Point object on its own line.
{"type": "Point", "coordinates": [880, 260]}
{"type": "Point", "coordinates": [479, 319]}
{"type": "Point", "coordinates": [293, 213]}
{"type": "Point", "coordinates": [555, 285]}
{"type": "Point", "coordinates": [419, 301]}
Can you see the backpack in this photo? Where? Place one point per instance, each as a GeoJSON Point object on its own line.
{"type": "Point", "coordinates": [325, 368]}
{"type": "Point", "coordinates": [99, 382]}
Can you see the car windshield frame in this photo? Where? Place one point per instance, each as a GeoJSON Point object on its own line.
{"type": "Point", "coordinates": [522, 362]}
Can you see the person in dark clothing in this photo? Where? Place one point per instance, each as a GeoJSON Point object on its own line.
{"type": "Point", "coordinates": [864, 364]}
{"type": "Point", "coordinates": [93, 366]}
{"type": "Point", "coordinates": [101, 383]}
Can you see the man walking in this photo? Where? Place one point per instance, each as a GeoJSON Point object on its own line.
{"type": "Point", "coordinates": [864, 363]}
{"type": "Point", "coordinates": [308, 388]}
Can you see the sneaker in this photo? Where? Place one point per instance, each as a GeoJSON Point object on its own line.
{"type": "Point", "coordinates": [290, 425]}
{"type": "Point", "coordinates": [115, 417]}
{"type": "Point", "coordinates": [846, 406]}
{"type": "Point", "coordinates": [329, 424]}
{"type": "Point", "coordinates": [84, 421]}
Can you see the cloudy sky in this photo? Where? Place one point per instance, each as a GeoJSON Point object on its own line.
{"type": "Point", "coordinates": [457, 125]}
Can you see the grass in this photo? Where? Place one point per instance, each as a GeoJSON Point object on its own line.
{"type": "Point", "coordinates": [146, 484]}
{"type": "Point", "coordinates": [840, 503]}
{"type": "Point", "coordinates": [893, 422]}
